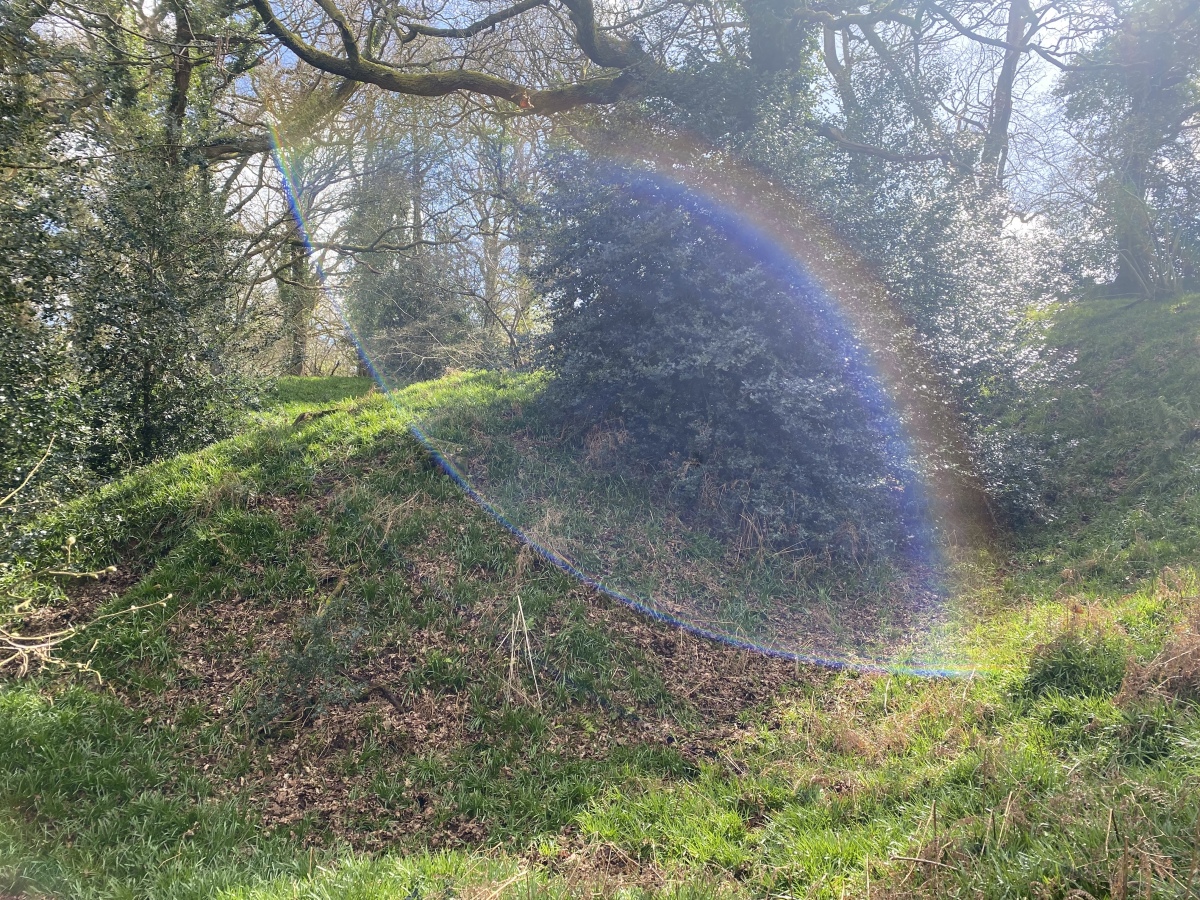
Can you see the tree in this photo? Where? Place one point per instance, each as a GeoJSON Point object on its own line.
{"type": "Point", "coordinates": [537, 57]}
{"type": "Point", "coordinates": [412, 212]}
{"type": "Point", "coordinates": [308, 171]}
{"type": "Point", "coordinates": [122, 247]}
{"type": "Point", "coordinates": [150, 315]}
{"type": "Point", "coordinates": [670, 322]}
{"type": "Point", "coordinates": [1134, 106]}
{"type": "Point", "coordinates": [500, 178]}
{"type": "Point", "coordinates": [972, 291]}
{"type": "Point", "coordinates": [38, 210]}
{"type": "Point", "coordinates": [401, 302]}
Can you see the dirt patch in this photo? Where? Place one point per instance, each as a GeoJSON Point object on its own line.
{"type": "Point", "coordinates": [310, 775]}
{"type": "Point", "coordinates": [720, 681]}
{"type": "Point", "coordinates": [84, 595]}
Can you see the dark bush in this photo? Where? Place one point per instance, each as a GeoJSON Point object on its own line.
{"type": "Point", "coordinates": [714, 355]}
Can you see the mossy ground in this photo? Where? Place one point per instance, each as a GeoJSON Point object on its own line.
{"type": "Point", "coordinates": [533, 739]}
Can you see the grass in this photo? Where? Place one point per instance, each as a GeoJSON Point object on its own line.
{"type": "Point", "coordinates": [97, 804]}
{"type": "Point", "coordinates": [302, 394]}
{"type": "Point", "coordinates": [634, 535]}
{"type": "Point", "coordinates": [240, 745]}
{"type": "Point", "coordinates": [1127, 497]}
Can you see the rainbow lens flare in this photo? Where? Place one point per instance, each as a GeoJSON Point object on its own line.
{"type": "Point", "coordinates": [621, 538]}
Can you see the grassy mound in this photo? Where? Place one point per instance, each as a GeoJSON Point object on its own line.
{"type": "Point", "coordinates": [627, 527]}
{"type": "Point", "coordinates": [357, 685]}
{"type": "Point", "coordinates": [1126, 500]}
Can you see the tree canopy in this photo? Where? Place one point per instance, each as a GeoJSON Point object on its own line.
{"type": "Point", "coordinates": [198, 191]}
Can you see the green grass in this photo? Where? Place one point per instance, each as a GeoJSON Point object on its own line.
{"type": "Point", "coordinates": [633, 535]}
{"type": "Point", "coordinates": [96, 804]}
{"type": "Point", "coordinates": [291, 391]}
{"type": "Point", "coordinates": [231, 751]}
{"type": "Point", "coordinates": [1126, 501]}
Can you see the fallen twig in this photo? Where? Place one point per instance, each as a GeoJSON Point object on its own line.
{"type": "Point", "coordinates": [38, 650]}
{"type": "Point", "coordinates": [385, 692]}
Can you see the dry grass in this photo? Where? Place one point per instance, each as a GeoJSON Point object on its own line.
{"type": "Point", "coordinates": [1172, 675]}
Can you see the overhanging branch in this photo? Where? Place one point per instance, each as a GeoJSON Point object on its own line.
{"type": "Point", "coordinates": [355, 66]}
{"type": "Point", "coordinates": [416, 29]}
{"type": "Point", "coordinates": [838, 137]}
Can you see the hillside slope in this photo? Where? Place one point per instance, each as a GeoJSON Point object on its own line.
{"type": "Point", "coordinates": [357, 685]}
{"type": "Point", "coordinates": [1127, 434]}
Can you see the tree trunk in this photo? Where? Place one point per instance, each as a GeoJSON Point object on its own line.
{"type": "Point", "coordinates": [362, 367]}
{"type": "Point", "coordinates": [417, 179]}
{"type": "Point", "coordinates": [146, 425]}
{"type": "Point", "coordinates": [181, 61]}
{"type": "Point", "coordinates": [490, 261]}
{"type": "Point", "coordinates": [995, 147]}
{"type": "Point", "coordinates": [840, 70]}
{"type": "Point", "coordinates": [1137, 269]}
{"type": "Point", "coordinates": [298, 294]}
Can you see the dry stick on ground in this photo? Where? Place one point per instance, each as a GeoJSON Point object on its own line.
{"type": "Point", "coordinates": [26, 652]}
{"type": "Point", "coordinates": [529, 651]}
{"type": "Point", "coordinates": [385, 692]}
{"type": "Point", "coordinates": [512, 683]}
{"type": "Point", "coordinates": [937, 852]}
{"type": "Point", "coordinates": [512, 660]}
{"type": "Point", "coordinates": [95, 576]}
{"type": "Point", "coordinates": [1004, 819]}
{"type": "Point", "coordinates": [1121, 883]}
{"type": "Point", "coordinates": [916, 859]}
{"type": "Point", "coordinates": [1195, 860]}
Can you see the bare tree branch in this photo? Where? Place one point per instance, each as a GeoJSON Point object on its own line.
{"type": "Point", "coordinates": [835, 134]}
{"type": "Point", "coordinates": [416, 29]}
{"type": "Point", "coordinates": [375, 246]}
{"type": "Point", "coordinates": [601, 49]}
{"type": "Point", "coordinates": [314, 111]}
